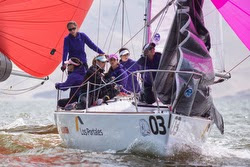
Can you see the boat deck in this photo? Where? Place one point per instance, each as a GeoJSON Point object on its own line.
{"type": "Point", "coordinates": [123, 105]}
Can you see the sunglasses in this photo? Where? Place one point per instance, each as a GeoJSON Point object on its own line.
{"type": "Point", "coordinates": [70, 29]}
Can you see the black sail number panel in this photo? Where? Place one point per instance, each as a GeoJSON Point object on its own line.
{"type": "Point", "coordinates": [157, 125]}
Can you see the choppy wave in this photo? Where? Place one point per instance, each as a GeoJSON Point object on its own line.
{"type": "Point", "coordinates": [33, 129]}
{"type": "Point", "coordinates": [21, 142]}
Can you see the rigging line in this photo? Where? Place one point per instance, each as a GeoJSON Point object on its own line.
{"type": "Point", "coordinates": [23, 90]}
{"type": "Point", "coordinates": [122, 21]}
{"type": "Point", "coordinates": [83, 83]}
{"type": "Point", "coordinates": [19, 90]}
{"type": "Point", "coordinates": [207, 14]}
{"type": "Point", "coordinates": [103, 85]}
{"type": "Point", "coordinates": [99, 20]}
{"type": "Point", "coordinates": [236, 66]}
{"type": "Point", "coordinates": [149, 23]}
{"type": "Point", "coordinates": [129, 28]}
{"type": "Point", "coordinates": [108, 83]}
{"type": "Point", "coordinates": [114, 27]}
{"type": "Point", "coordinates": [113, 22]}
{"type": "Point", "coordinates": [18, 83]}
{"type": "Point", "coordinates": [160, 22]}
{"type": "Point", "coordinates": [114, 80]}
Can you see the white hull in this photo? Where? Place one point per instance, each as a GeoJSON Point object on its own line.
{"type": "Point", "coordinates": [148, 130]}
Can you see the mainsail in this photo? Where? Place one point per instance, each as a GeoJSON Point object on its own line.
{"type": "Point", "coordinates": [32, 31]}
{"type": "Point", "coordinates": [187, 49]}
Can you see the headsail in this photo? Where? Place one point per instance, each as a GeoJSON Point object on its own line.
{"type": "Point", "coordinates": [32, 31]}
{"type": "Point", "coordinates": [187, 49]}
{"type": "Point", "coordinates": [237, 15]}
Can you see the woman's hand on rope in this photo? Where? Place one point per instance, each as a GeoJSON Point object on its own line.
{"type": "Point", "coordinates": [63, 68]}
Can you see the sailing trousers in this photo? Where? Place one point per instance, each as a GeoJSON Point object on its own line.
{"type": "Point", "coordinates": [148, 95]}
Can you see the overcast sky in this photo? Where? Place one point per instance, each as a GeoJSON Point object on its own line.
{"type": "Point", "coordinates": [234, 50]}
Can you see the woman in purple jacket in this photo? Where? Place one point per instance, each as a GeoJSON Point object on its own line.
{"type": "Point", "coordinates": [117, 72]}
{"type": "Point", "coordinates": [130, 66]}
{"type": "Point", "coordinates": [74, 45]}
{"type": "Point", "coordinates": [76, 72]}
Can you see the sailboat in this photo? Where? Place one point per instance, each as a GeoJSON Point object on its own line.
{"type": "Point", "coordinates": [184, 112]}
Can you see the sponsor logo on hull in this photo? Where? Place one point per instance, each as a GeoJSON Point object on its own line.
{"type": "Point", "coordinates": [144, 127]}
{"type": "Point", "coordinates": [86, 131]}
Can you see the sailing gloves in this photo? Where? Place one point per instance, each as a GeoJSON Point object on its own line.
{"type": "Point", "coordinates": [63, 68]}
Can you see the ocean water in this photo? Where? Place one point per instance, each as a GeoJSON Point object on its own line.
{"type": "Point", "coordinates": [28, 137]}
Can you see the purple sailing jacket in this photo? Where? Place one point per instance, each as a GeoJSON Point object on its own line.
{"type": "Point", "coordinates": [75, 47]}
{"type": "Point", "coordinates": [120, 76]}
{"type": "Point", "coordinates": [75, 78]}
{"type": "Point", "coordinates": [147, 64]}
{"type": "Point", "coordinates": [131, 66]}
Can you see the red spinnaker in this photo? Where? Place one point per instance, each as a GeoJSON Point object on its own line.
{"type": "Point", "coordinates": [31, 29]}
{"type": "Point", "coordinates": [237, 15]}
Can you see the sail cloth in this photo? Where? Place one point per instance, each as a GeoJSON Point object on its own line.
{"type": "Point", "coordinates": [32, 31]}
{"type": "Point", "coordinates": [213, 23]}
{"type": "Point", "coordinates": [187, 49]}
{"type": "Point", "coordinates": [237, 15]}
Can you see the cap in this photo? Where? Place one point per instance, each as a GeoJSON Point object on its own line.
{"type": "Point", "coordinates": [101, 58]}
{"type": "Point", "coordinates": [114, 56]}
{"type": "Point", "coordinates": [148, 46]}
{"type": "Point", "coordinates": [74, 61]}
{"type": "Point", "coordinates": [124, 52]}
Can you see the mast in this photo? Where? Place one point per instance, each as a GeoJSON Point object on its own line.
{"type": "Point", "coordinates": [147, 19]}
{"type": "Point", "coordinates": [122, 22]}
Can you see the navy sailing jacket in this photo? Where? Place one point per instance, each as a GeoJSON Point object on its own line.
{"type": "Point", "coordinates": [149, 64]}
{"type": "Point", "coordinates": [75, 78]}
{"type": "Point", "coordinates": [97, 88]}
{"type": "Point", "coordinates": [75, 47]}
{"type": "Point", "coordinates": [131, 66]}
